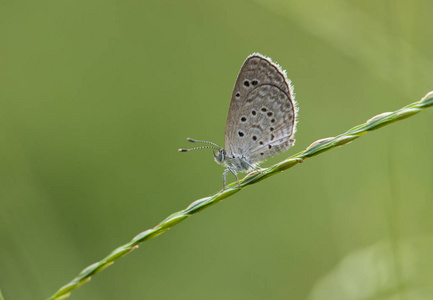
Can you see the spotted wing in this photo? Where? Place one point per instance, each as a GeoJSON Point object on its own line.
{"type": "Point", "coordinates": [261, 121]}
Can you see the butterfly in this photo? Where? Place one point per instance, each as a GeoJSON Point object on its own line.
{"type": "Point", "coordinates": [261, 120]}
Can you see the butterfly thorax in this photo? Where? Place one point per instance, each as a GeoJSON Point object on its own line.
{"type": "Point", "coordinates": [234, 161]}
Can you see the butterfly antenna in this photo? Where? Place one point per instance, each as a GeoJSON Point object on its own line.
{"type": "Point", "coordinates": [215, 146]}
{"type": "Point", "coordinates": [204, 147]}
{"type": "Point", "coordinates": [198, 141]}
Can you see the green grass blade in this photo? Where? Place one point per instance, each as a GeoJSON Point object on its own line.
{"type": "Point", "coordinates": [316, 148]}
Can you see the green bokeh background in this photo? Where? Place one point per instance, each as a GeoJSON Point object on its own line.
{"type": "Point", "coordinates": [97, 96]}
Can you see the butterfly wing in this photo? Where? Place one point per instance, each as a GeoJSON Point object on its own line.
{"type": "Point", "coordinates": [262, 116]}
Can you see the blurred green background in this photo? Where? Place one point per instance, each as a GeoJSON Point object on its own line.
{"type": "Point", "coordinates": [97, 96]}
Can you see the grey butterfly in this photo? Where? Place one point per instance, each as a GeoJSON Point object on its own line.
{"type": "Point", "coordinates": [262, 118]}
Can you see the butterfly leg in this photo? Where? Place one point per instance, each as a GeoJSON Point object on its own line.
{"type": "Point", "coordinates": [236, 175]}
{"type": "Point", "coordinates": [226, 171]}
{"type": "Point", "coordinates": [255, 168]}
{"type": "Point", "coordinates": [224, 178]}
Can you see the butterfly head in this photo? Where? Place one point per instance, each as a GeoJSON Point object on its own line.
{"type": "Point", "coordinates": [220, 156]}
